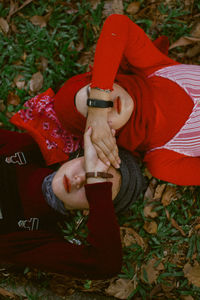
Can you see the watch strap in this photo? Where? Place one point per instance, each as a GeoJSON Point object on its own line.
{"type": "Point", "coordinates": [98, 174]}
{"type": "Point", "coordinates": [91, 102]}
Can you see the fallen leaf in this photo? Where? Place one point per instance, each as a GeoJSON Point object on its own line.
{"type": "Point", "coordinates": [197, 226]}
{"type": "Point", "coordinates": [4, 27]}
{"type": "Point", "coordinates": [148, 211]}
{"type": "Point", "coordinates": [150, 190]}
{"type": "Point", "coordinates": [150, 271]}
{"type": "Point", "coordinates": [39, 20]}
{"type": "Point", "coordinates": [133, 8]}
{"type": "Point", "coordinates": [121, 288]}
{"type": "Point", "coordinates": [167, 214]}
{"type": "Point", "coordinates": [150, 227]}
{"type": "Point", "coordinates": [159, 191]}
{"type": "Point", "coordinates": [19, 81]}
{"type": "Point", "coordinates": [36, 82]}
{"type": "Point", "coordinates": [196, 31]}
{"type": "Point", "coordinates": [195, 50]}
{"type": "Point", "coordinates": [160, 267]}
{"type": "Point", "coordinates": [130, 236]}
{"type": "Point", "coordinates": [192, 274]}
{"type": "Point", "coordinates": [184, 41]}
{"type": "Point", "coordinates": [13, 99]}
{"type": "Point", "coordinates": [168, 195]}
{"type": "Point", "coordinates": [175, 225]}
{"type": "Point", "coordinates": [6, 293]}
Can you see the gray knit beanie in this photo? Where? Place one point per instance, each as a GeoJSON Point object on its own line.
{"type": "Point", "coordinates": [132, 185]}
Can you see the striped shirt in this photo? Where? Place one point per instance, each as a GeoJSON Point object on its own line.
{"type": "Point", "coordinates": [187, 140]}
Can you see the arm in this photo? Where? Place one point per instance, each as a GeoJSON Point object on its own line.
{"type": "Point", "coordinates": [120, 37]}
{"type": "Point", "coordinates": [174, 167]}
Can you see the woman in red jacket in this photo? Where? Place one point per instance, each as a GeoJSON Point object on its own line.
{"type": "Point", "coordinates": [155, 102]}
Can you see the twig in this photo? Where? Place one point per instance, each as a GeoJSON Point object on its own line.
{"type": "Point", "coordinates": [12, 12]}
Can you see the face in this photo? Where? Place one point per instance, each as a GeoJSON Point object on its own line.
{"type": "Point", "coordinates": [68, 184]}
{"type": "Point", "coordinates": [122, 108]}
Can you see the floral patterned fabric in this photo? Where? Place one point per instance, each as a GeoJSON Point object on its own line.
{"type": "Point", "coordinates": [39, 119]}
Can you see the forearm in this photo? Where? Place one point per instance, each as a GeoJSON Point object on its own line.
{"type": "Point", "coordinates": [121, 37]}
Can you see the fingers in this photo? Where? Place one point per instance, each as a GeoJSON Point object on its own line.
{"type": "Point", "coordinates": [108, 153]}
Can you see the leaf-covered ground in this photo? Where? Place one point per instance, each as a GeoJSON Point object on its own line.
{"type": "Point", "coordinates": [43, 43]}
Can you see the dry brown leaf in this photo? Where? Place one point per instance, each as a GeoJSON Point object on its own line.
{"type": "Point", "coordinates": [150, 227]}
{"type": "Point", "coordinates": [197, 227]}
{"type": "Point", "coordinates": [167, 214]}
{"type": "Point", "coordinates": [150, 190]}
{"type": "Point", "coordinates": [148, 211]}
{"type": "Point", "coordinates": [39, 20]}
{"type": "Point", "coordinates": [195, 50]}
{"type": "Point", "coordinates": [6, 293]}
{"type": "Point", "coordinates": [151, 272]}
{"type": "Point", "coordinates": [4, 27]}
{"type": "Point", "coordinates": [133, 8]}
{"type": "Point", "coordinates": [36, 82]}
{"type": "Point", "coordinates": [175, 225]}
{"type": "Point", "coordinates": [121, 288]}
{"type": "Point", "coordinates": [19, 81]}
{"type": "Point", "coordinates": [160, 267]}
{"type": "Point", "coordinates": [196, 31]}
{"type": "Point", "coordinates": [159, 191]}
{"type": "Point", "coordinates": [184, 41]}
{"type": "Point", "coordinates": [192, 274]}
{"type": "Point", "coordinates": [168, 195]}
{"type": "Point", "coordinates": [130, 236]}
{"type": "Point", "coordinates": [13, 99]}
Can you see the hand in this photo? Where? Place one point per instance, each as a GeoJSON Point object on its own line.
{"type": "Point", "coordinates": [92, 162]}
{"type": "Point", "coordinates": [102, 136]}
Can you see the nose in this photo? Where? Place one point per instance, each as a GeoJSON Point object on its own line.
{"type": "Point", "coordinates": [79, 180]}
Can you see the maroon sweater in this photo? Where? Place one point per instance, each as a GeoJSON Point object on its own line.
{"type": "Point", "coordinates": [28, 232]}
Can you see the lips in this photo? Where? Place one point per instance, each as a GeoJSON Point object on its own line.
{"type": "Point", "coordinates": [67, 184]}
{"type": "Point", "coordinates": [117, 104]}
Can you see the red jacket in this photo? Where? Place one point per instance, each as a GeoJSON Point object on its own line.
{"type": "Point", "coordinates": [29, 234]}
{"type": "Point", "coordinates": [125, 54]}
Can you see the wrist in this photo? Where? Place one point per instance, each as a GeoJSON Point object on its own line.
{"type": "Point", "coordinates": [95, 180]}
{"type": "Point", "coordinates": [99, 94]}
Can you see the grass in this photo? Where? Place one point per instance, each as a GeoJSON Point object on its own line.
{"type": "Point", "coordinates": [73, 26]}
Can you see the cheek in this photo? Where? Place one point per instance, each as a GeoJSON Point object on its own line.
{"type": "Point", "coordinates": [76, 200]}
{"type": "Point", "coordinates": [117, 120]}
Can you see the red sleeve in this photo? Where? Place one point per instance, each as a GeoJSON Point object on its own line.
{"type": "Point", "coordinates": [121, 37]}
{"type": "Point", "coordinates": [101, 258]}
{"type": "Point", "coordinates": [174, 167]}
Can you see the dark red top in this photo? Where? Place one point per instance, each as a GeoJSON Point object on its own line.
{"type": "Point", "coordinates": [34, 239]}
